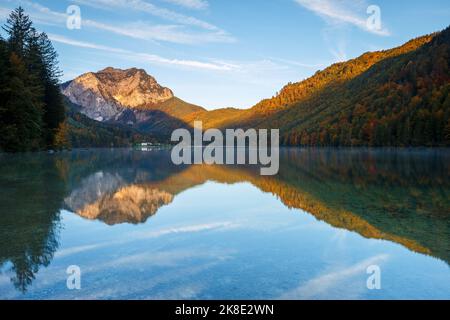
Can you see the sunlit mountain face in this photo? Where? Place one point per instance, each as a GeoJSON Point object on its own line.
{"type": "Point", "coordinates": [132, 215]}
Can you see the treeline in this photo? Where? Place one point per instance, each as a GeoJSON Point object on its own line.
{"type": "Point", "coordinates": [84, 132]}
{"type": "Point", "coordinates": [32, 111]}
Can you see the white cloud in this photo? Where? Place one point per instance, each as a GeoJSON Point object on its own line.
{"type": "Point", "coordinates": [191, 4]}
{"type": "Point", "coordinates": [4, 13]}
{"type": "Point", "coordinates": [75, 250]}
{"type": "Point", "coordinates": [39, 14]}
{"type": "Point", "coordinates": [253, 72]}
{"type": "Point", "coordinates": [142, 235]}
{"type": "Point", "coordinates": [147, 7]}
{"type": "Point", "coordinates": [138, 56]}
{"type": "Point", "coordinates": [82, 44]}
{"type": "Point", "coordinates": [137, 30]}
{"type": "Point", "coordinates": [301, 64]}
{"type": "Point", "coordinates": [185, 229]}
{"type": "Point", "coordinates": [342, 11]}
{"type": "Point", "coordinates": [167, 33]}
{"type": "Point", "coordinates": [318, 287]}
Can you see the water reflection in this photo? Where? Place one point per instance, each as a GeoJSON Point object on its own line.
{"type": "Point", "coordinates": [399, 196]}
{"type": "Point", "coordinates": [31, 193]}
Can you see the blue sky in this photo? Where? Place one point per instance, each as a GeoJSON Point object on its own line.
{"type": "Point", "coordinates": [226, 53]}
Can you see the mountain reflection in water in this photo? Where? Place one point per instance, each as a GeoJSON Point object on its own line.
{"type": "Point", "coordinates": [399, 196]}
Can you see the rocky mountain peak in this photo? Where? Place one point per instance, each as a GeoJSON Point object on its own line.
{"type": "Point", "coordinates": [104, 94]}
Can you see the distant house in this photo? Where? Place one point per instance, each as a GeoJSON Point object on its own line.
{"type": "Point", "coordinates": [147, 145]}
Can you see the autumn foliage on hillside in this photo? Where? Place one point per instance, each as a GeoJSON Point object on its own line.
{"type": "Point", "coordinates": [400, 100]}
{"type": "Point", "coordinates": [398, 97]}
{"type": "Point", "coordinates": [337, 73]}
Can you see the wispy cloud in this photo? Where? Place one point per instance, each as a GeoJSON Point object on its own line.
{"type": "Point", "coordinates": [185, 229]}
{"type": "Point", "coordinates": [142, 235]}
{"type": "Point", "coordinates": [38, 13]}
{"type": "Point", "coordinates": [138, 30]}
{"type": "Point", "coordinates": [80, 249]}
{"type": "Point", "coordinates": [4, 13]}
{"type": "Point", "coordinates": [252, 71]}
{"type": "Point", "coordinates": [147, 7]}
{"type": "Point", "coordinates": [83, 44]}
{"type": "Point", "coordinates": [319, 286]}
{"type": "Point", "coordinates": [343, 11]}
{"type": "Point", "coordinates": [167, 33]}
{"type": "Point", "coordinates": [143, 57]}
{"type": "Point", "coordinates": [300, 64]}
{"type": "Point", "coordinates": [191, 4]}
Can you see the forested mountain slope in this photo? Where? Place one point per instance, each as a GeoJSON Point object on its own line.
{"type": "Point", "coordinates": [403, 100]}
{"type": "Point", "coordinates": [397, 97]}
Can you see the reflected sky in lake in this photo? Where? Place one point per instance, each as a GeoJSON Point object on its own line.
{"type": "Point", "coordinates": [141, 228]}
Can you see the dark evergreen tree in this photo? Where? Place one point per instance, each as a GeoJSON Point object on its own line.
{"type": "Point", "coordinates": [43, 64]}
{"type": "Point", "coordinates": [22, 112]}
{"type": "Point", "coordinates": [30, 64]}
{"type": "Point", "coordinates": [3, 90]}
{"type": "Point", "coordinates": [17, 27]}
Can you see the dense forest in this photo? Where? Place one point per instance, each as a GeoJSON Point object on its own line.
{"type": "Point", "coordinates": [31, 106]}
{"type": "Point", "coordinates": [84, 132]}
{"type": "Point", "coordinates": [398, 97]}
{"type": "Point", "coordinates": [401, 100]}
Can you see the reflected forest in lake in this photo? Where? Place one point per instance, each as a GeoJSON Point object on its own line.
{"type": "Point", "coordinates": [399, 196]}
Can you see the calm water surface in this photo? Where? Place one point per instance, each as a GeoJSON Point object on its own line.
{"type": "Point", "coordinates": [141, 228]}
